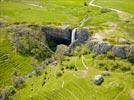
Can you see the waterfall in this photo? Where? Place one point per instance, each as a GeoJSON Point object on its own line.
{"type": "Point", "coordinates": [73, 35]}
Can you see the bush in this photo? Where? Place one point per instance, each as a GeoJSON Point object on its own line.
{"type": "Point", "coordinates": [43, 83]}
{"type": "Point", "coordinates": [105, 10]}
{"type": "Point", "coordinates": [85, 4]}
{"type": "Point", "coordinates": [62, 69]}
{"type": "Point", "coordinates": [81, 50]}
{"type": "Point", "coordinates": [24, 44]}
{"type": "Point", "coordinates": [76, 69]}
{"type": "Point", "coordinates": [59, 74]}
{"type": "Point", "coordinates": [71, 66]}
{"type": "Point", "coordinates": [17, 80]}
{"type": "Point", "coordinates": [6, 92]}
{"type": "Point", "coordinates": [124, 65]}
{"type": "Point", "coordinates": [110, 55]}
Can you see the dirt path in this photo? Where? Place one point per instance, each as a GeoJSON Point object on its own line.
{"type": "Point", "coordinates": [36, 5]}
{"type": "Point", "coordinates": [122, 14]}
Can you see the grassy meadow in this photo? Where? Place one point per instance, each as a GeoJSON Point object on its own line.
{"type": "Point", "coordinates": [73, 79]}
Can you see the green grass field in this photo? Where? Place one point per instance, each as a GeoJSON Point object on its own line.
{"type": "Point", "coordinates": [52, 12]}
{"type": "Point", "coordinates": [77, 85]}
{"type": "Point", "coordinates": [123, 5]}
{"type": "Point", "coordinates": [72, 85]}
{"type": "Point", "coordinates": [10, 61]}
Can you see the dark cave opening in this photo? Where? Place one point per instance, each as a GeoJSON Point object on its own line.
{"type": "Point", "coordinates": [53, 41]}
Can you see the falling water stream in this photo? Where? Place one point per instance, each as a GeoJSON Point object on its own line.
{"type": "Point", "coordinates": [73, 35]}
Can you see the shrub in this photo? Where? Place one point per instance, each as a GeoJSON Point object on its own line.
{"type": "Point", "coordinates": [43, 83]}
{"type": "Point", "coordinates": [81, 50]}
{"type": "Point", "coordinates": [85, 4]}
{"type": "Point", "coordinates": [17, 80]}
{"type": "Point", "coordinates": [61, 52]}
{"type": "Point", "coordinates": [46, 73]}
{"type": "Point", "coordinates": [6, 92]}
{"type": "Point", "coordinates": [124, 65]}
{"type": "Point", "coordinates": [62, 69]}
{"type": "Point", "coordinates": [67, 67]}
{"type": "Point", "coordinates": [105, 10]}
{"type": "Point", "coordinates": [76, 69]}
{"type": "Point", "coordinates": [110, 55]}
{"type": "Point", "coordinates": [24, 44]}
{"type": "Point", "coordinates": [71, 66]}
{"type": "Point", "coordinates": [59, 74]}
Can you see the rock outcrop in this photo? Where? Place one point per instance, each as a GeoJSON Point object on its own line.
{"type": "Point", "coordinates": [98, 80]}
{"type": "Point", "coordinates": [121, 52]}
{"type": "Point", "coordinates": [122, 41]}
{"type": "Point", "coordinates": [99, 48]}
{"type": "Point", "coordinates": [131, 56]}
{"type": "Point", "coordinates": [81, 37]}
{"type": "Point", "coordinates": [106, 73]}
{"type": "Point", "coordinates": [62, 49]}
{"type": "Point", "coordinates": [61, 32]}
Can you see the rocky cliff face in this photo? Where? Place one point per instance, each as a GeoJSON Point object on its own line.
{"type": "Point", "coordinates": [62, 35]}
{"type": "Point", "coordinates": [122, 51]}
{"type": "Point", "coordinates": [60, 32]}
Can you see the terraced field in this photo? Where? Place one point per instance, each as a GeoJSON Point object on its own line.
{"type": "Point", "coordinates": [10, 61]}
{"type": "Point", "coordinates": [77, 85]}
{"type": "Point", "coordinates": [58, 82]}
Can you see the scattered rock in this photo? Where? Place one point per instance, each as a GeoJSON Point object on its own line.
{"type": "Point", "coordinates": [2, 23]}
{"type": "Point", "coordinates": [122, 41]}
{"type": "Point", "coordinates": [54, 63]}
{"type": "Point", "coordinates": [106, 73]}
{"type": "Point", "coordinates": [132, 94]}
{"type": "Point", "coordinates": [62, 49]}
{"type": "Point", "coordinates": [99, 48]}
{"type": "Point", "coordinates": [120, 52]}
{"type": "Point", "coordinates": [131, 58]}
{"type": "Point", "coordinates": [48, 61]}
{"type": "Point", "coordinates": [98, 80]}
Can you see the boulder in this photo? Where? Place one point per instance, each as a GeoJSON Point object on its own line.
{"type": "Point", "coordinates": [120, 51]}
{"type": "Point", "coordinates": [62, 49]}
{"type": "Point", "coordinates": [98, 80]}
{"type": "Point", "coordinates": [131, 58]}
{"type": "Point", "coordinates": [99, 48]}
{"type": "Point", "coordinates": [122, 41]}
{"type": "Point", "coordinates": [106, 73]}
{"type": "Point", "coordinates": [82, 35]}
{"type": "Point", "coordinates": [2, 23]}
{"type": "Point", "coordinates": [132, 94]}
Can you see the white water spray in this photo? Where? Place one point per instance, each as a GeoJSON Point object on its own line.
{"type": "Point", "coordinates": [73, 35]}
